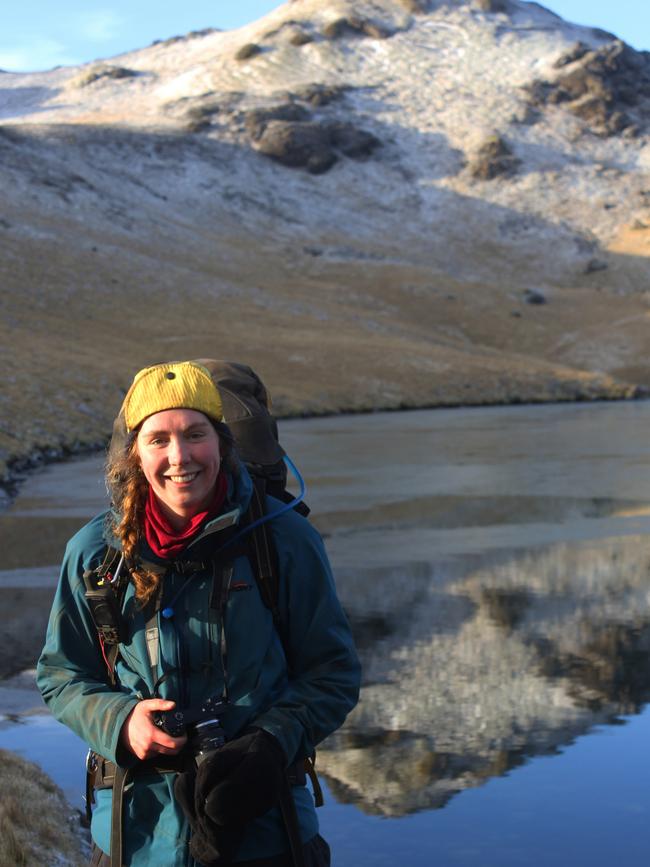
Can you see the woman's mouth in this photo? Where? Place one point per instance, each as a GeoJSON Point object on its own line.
{"type": "Point", "coordinates": [184, 478]}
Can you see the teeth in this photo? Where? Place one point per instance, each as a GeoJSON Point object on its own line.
{"type": "Point", "coordinates": [189, 477]}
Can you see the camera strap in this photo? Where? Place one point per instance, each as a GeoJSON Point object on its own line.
{"type": "Point", "coordinates": [221, 581]}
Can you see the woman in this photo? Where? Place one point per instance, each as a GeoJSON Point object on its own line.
{"type": "Point", "coordinates": [171, 564]}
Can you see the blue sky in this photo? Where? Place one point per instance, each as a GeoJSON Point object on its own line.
{"type": "Point", "coordinates": [40, 34]}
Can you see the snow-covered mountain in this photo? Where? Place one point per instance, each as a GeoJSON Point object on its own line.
{"type": "Point", "coordinates": [377, 203]}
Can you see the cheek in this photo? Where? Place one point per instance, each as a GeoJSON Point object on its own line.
{"type": "Point", "coordinates": [210, 456]}
{"type": "Point", "coordinates": [147, 467]}
{"type": "Point", "coordinates": [213, 461]}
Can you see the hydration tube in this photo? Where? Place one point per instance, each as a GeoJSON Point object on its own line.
{"type": "Point", "coordinates": [285, 508]}
{"type": "Point", "coordinates": [271, 515]}
{"type": "Point", "coordinates": [168, 611]}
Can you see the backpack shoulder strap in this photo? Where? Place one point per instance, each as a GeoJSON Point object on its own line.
{"type": "Point", "coordinates": [105, 589]}
{"type": "Point", "coordinates": [264, 559]}
{"type": "Point", "coordinates": [265, 567]}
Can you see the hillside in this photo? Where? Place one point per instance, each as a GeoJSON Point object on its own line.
{"type": "Point", "coordinates": [377, 204]}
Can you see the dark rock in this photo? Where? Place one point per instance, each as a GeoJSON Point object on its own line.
{"type": "Point", "coordinates": [199, 117]}
{"type": "Point", "coordinates": [494, 6]}
{"type": "Point", "coordinates": [598, 114]}
{"type": "Point", "coordinates": [318, 95]}
{"type": "Point", "coordinates": [171, 41]}
{"type": "Point", "coordinates": [416, 7]}
{"type": "Point", "coordinates": [353, 26]}
{"type": "Point", "coordinates": [257, 119]}
{"type": "Point", "coordinates": [250, 49]}
{"type": "Point", "coordinates": [527, 115]}
{"type": "Point", "coordinates": [594, 265]}
{"type": "Point", "coordinates": [206, 31]}
{"type": "Point", "coordinates": [599, 33]}
{"type": "Point", "coordinates": [298, 144]}
{"type": "Point", "coordinates": [200, 111]}
{"type": "Point", "coordinates": [300, 37]}
{"type": "Point", "coordinates": [576, 52]}
{"type": "Point", "coordinates": [375, 31]}
{"type": "Point", "coordinates": [198, 122]}
{"type": "Point", "coordinates": [193, 34]}
{"type": "Point", "coordinates": [313, 145]}
{"type": "Point", "coordinates": [506, 608]}
{"type": "Point", "coordinates": [353, 142]}
{"type": "Point", "coordinates": [97, 73]}
{"type": "Point", "coordinates": [534, 296]}
{"type": "Point", "coordinates": [342, 27]}
{"type": "Point", "coordinates": [494, 159]}
{"type": "Point", "coordinates": [604, 88]}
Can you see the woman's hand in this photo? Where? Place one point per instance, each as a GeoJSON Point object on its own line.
{"type": "Point", "coordinates": [140, 736]}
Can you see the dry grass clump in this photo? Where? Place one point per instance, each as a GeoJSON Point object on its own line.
{"type": "Point", "coordinates": [103, 71]}
{"type": "Point", "coordinates": [250, 49]}
{"type": "Point", "coordinates": [37, 825]}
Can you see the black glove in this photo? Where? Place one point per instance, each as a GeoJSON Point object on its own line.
{"type": "Point", "coordinates": [237, 783]}
{"type": "Point", "coordinates": [241, 780]}
{"type": "Point", "coordinates": [211, 845]}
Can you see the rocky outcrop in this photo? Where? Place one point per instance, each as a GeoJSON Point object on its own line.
{"type": "Point", "coordinates": [345, 26]}
{"type": "Point", "coordinates": [250, 49]}
{"type": "Point", "coordinates": [494, 6]}
{"type": "Point", "coordinates": [298, 144]}
{"type": "Point", "coordinates": [607, 88]}
{"type": "Point", "coordinates": [319, 95]}
{"type": "Point", "coordinates": [193, 34]}
{"type": "Point", "coordinates": [300, 37]}
{"type": "Point", "coordinates": [256, 120]}
{"type": "Point", "coordinates": [313, 145]}
{"type": "Point", "coordinates": [351, 141]}
{"type": "Point", "coordinates": [102, 72]}
{"type": "Point", "coordinates": [293, 134]}
{"type": "Point", "coordinates": [493, 159]}
{"type": "Point", "coordinates": [576, 52]}
{"type": "Point", "coordinates": [415, 7]}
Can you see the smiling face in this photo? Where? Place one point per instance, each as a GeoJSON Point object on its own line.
{"type": "Point", "coordinates": [180, 458]}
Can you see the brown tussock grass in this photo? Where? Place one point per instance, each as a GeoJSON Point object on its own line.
{"type": "Point", "coordinates": [37, 825]}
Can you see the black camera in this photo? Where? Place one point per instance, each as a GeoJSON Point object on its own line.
{"type": "Point", "coordinates": [201, 724]}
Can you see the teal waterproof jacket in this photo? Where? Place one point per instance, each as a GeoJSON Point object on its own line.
{"type": "Point", "coordinates": [299, 703]}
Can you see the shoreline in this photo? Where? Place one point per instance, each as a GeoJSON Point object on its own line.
{"type": "Point", "coordinates": [18, 467]}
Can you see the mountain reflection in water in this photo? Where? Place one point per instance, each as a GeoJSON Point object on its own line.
{"type": "Point", "coordinates": [470, 669]}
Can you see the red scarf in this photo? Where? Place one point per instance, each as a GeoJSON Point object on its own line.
{"type": "Point", "coordinates": [163, 539]}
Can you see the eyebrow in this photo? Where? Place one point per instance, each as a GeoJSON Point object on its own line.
{"type": "Point", "coordinates": [193, 426]}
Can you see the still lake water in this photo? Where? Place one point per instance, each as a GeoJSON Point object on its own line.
{"type": "Point", "coordinates": [495, 567]}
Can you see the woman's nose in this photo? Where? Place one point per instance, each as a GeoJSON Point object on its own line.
{"type": "Point", "coordinates": [178, 451]}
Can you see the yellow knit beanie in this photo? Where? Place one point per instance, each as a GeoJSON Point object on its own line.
{"type": "Point", "coordinates": [174, 385]}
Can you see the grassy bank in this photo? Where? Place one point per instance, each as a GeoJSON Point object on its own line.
{"type": "Point", "coordinates": [37, 825]}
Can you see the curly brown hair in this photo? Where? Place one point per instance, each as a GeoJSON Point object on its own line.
{"type": "Point", "coordinates": [129, 491]}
